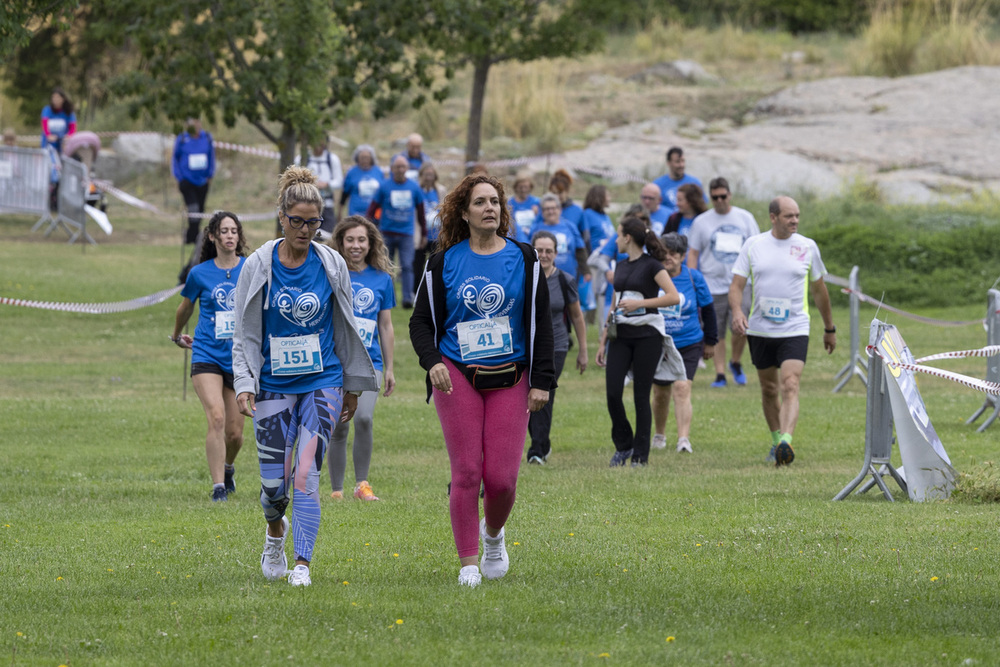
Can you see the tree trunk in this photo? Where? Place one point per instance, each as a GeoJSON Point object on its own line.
{"type": "Point", "coordinates": [473, 135]}
{"type": "Point", "coordinates": [287, 144]}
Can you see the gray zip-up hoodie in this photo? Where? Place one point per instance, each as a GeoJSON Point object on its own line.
{"type": "Point", "coordinates": [251, 290]}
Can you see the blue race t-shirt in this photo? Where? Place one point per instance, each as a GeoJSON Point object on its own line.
{"type": "Point", "coordinates": [432, 202]}
{"type": "Point", "coordinates": [372, 293]}
{"type": "Point", "coordinates": [58, 124]}
{"type": "Point", "coordinates": [360, 186]}
{"type": "Point", "coordinates": [299, 304]}
{"type": "Point", "coordinates": [658, 219]}
{"type": "Point", "coordinates": [600, 227]}
{"type": "Point", "coordinates": [574, 214]}
{"type": "Point", "coordinates": [194, 158]}
{"type": "Point", "coordinates": [215, 292]}
{"type": "Point", "coordinates": [568, 240]}
{"type": "Point", "coordinates": [398, 202]}
{"type": "Point", "coordinates": [484, 297]}
{"type": "Point", "coordinates": [681, 321]}
{"type": "Point", "coordinates": [524, 213]}
{"type": "Point", "coordinates": [668, 189]}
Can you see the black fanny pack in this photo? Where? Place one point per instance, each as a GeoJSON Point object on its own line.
{"type": "Point", "coordinates": [486, 378]}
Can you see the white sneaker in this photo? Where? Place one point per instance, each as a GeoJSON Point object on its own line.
{"type": "Point", "coordinates": [273, 562]}
{"type": "Point", "coordinates": [299, 576]}
{"type": "Point", "coordinates": [494, 562]}
{"type": "Point", "coordinates": [684, 445]}
{"type": "Point", "coordinates": [469, 576]}
{"type": "Point", "coordinates": [659, 441]}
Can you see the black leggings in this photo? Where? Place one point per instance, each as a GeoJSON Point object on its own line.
{"type": "Point", "coordinates": [194, 201]}
{"type": "Point", "coordinates": [641, 356]}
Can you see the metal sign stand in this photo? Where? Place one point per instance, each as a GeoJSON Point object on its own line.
{"type": "Point", "coordinates": [878, 438]}
{"type": "Point", "coordinates": [857, 364]}
{"type": "Point", "coordinates": [992, 363]}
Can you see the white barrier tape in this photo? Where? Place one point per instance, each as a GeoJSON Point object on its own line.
{"type": "Point", "coordinates": [249, 150]}
{"type": "Point", "coordinates": [836, 280]}
{"type": "Point", "coordinates": [96, 308]}
{"type": "Point", "coordinates": [988, 351]}
{"type": "Point", "coordinates": [125, 197]}
{"type": "Point", "coordinates": [984, 386]}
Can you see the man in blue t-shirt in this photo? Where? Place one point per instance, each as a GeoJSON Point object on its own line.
{"type": "Point", "coordinates": [193, 166]}
{"type": "Point", "coordinates": [401, 203]}
{"type": "Point", "coordinates": [658, 213]}
{"type": "Point", "coordinates": [673, 179]}
{"type": "Point", "coordinates": [414, 155]}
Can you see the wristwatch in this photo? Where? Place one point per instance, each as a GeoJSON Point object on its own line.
{"type": "Point", "coordinates": [831, 331]}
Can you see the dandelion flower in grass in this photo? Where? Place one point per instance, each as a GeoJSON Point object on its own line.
{"type": "Point", "coordinates": [59, 578]}
{"type": "Point", "coordinates": [934, 578]}
{"type": "Point", "coordinates": [395, 555]}
{"type": "Point", "coordinates": [346, 584]}
{"type": "Point", "coordinates": [517, 544]}
{"type": "Point", "coordinates": [572, 534]}
{"type": "Point", "coordinates": [604, 655]}
{"type": "Point", "coordinates": [399, 621]}
{"type": "Point", "coordinates": [670, 639]}
{"type": "Point", "coordinates": [20, 634]}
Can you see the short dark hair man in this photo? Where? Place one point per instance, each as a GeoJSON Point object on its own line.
{"type": "Point", "coordinates": [779, 264]}
{"type": "Point", "coordinates": [674, 178]}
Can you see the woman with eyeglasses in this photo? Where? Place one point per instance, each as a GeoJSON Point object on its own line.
{"type": "Point", "coordinates": [299, 366]}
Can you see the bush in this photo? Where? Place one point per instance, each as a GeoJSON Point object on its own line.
{"type": "Point", "coordinates": [908, 256]}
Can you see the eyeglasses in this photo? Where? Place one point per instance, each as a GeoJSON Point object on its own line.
{"type": "Point", "coordinates": [550, 208]}
{"type": "Point", "coordinates": [645, 197]}
{"type": "Point", "coordinates": [720, 197]}
{"type": "Point", "coordinates": [295, 222]}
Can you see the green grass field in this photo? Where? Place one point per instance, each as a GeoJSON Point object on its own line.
{"type": "Point", "coordinates": [113, 554]}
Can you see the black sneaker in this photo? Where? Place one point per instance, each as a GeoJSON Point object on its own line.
{"type": "Point", "coordinates": [219, 494]}
{"type": "Point", "coordinates": [639, 464]}
{"type": "Point", "coordinates": [230, 484]}
{"type": "Point", "coordinates": [783, 454]}
{"type": "Point", "coordinates": [620, 458]}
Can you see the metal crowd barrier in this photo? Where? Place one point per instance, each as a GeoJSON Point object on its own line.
{"type": "Point", "coordinates": [992, 363]}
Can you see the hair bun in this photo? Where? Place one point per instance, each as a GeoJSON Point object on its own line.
{"type": "Point", "coordinates": [294, 175]}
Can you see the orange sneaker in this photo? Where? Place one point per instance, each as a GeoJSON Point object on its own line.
{"type": "Point", "coordinates": [363, 491]}
{"type": "Point", "coordinates": [337, 495]}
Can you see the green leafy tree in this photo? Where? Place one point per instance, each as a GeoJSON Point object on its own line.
{"type": "Point", "coordinates": [484, 34]}
{"type": "Point", "coordinates": [18, 16]}
{"type": "Point", "coordinates": [297, 64]}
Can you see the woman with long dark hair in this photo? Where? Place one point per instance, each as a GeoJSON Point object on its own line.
{"type": "Point", "coordinates": [212, 282]}
{"type": "Point", "coordinates": [635, 331]}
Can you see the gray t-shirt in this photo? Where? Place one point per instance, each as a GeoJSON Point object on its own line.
{"type": "Point", "coordinates": [557, 305]}
{"type": "Point", "coordinates": [718, 239]}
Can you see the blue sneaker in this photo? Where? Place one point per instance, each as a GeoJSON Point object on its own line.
{"type": "Point", "coordinates": [720, 381]}
{"type": "Point", "coordinates": [770, 455]}
{"type": "Point", "coordinates": [230, 484]}
{"type": "Point", "coordinates": [219, 494]}
{"type": "Point", "coordinates": [620, 458]}
{"type": "Point", "coordinates": [739, 377]}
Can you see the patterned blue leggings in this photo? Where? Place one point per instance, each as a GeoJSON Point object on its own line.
{"type": "Point", "coordinates": [281, 421]}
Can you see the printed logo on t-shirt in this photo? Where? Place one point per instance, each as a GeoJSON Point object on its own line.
{"type": "Point", "coordinates": [303, 309]}
{"type": "Point", "coordinates": [364, 299]}
{"type": "Point", "coordinates": [484, 298]}
{"type": "Point", "coordinates": [798, 253]}
{"type": "Point", "coordinates": [401, 199]}
{"type": "Point", "coordinates": [224, 296]}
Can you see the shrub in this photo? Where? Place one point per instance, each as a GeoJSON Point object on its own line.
{"type": "Point", "coordinates": [910, 256]}
{"type": "Point", "coordinates": [526, 100]}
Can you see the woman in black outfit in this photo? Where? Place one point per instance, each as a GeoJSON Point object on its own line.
{"type": "Point", "coordinates": [642, 285]}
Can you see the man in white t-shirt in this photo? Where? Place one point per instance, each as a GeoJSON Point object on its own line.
{"type": "Point", "coordinates": [780, 265]}
{"type": "Point", "coordinates": [716, 237]}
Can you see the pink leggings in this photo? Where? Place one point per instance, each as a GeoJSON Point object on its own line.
{"type": "Point", "coordinates": [484, 433]}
